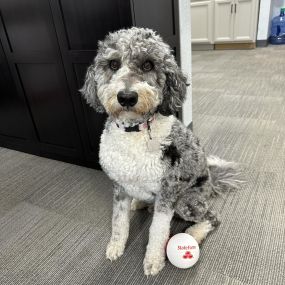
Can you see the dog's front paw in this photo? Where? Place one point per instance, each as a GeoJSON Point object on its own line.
{"type": "Point", "coordinates": [114, 250]}
{"type": "Point", "coordinates": [153, 264]}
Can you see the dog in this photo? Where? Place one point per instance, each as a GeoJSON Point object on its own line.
{"type": "Point", "coordinates": [150, 156]}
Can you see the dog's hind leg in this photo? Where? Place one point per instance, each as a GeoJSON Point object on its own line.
{"type": "Point", "coordinates": [193, 207]}
{"type": "Point", "coordinates": [200, 230]}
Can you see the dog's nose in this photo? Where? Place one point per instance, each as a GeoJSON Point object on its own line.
{"type": "Point", "coordinates": [127, 98]}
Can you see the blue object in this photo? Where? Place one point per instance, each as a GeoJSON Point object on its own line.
{"type": "Point", "coordinates": [278, 29]}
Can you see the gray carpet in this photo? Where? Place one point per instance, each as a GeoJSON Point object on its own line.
{"type": "Point", "coordinates": [55, 217]}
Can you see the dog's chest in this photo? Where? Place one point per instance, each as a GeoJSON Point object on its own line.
{"type": "Point", "coordinates": [133, 159]}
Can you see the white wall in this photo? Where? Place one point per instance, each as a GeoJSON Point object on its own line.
{"type": "Point", "coordinates": [276, 5]}
{"type": "Point", "coordinates": [186, 55]}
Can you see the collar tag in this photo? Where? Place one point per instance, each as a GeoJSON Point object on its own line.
{"type": "Point", "coordinates": [149, 130]}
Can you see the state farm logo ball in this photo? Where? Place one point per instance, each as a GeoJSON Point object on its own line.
{"type": "Point", "coordinates": [182, 250]}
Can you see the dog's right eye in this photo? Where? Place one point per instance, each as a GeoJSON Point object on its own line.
{"type": "Point", "coordinates": [114, 64]}
{"type": "Point", "coordinates": [147, 66]}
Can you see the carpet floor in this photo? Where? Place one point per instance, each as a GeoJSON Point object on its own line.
{"type": "Point", "coordinates": [55, 218]}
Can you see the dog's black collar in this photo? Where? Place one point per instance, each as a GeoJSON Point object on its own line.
{"type": "Point", "coordinates": [135, 128]}
{"type": "Point", "coordinates": [138, 127]}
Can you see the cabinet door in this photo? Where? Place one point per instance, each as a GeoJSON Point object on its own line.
{"type": "Point", "coordinates": [202, 21]}
{"type": "Point", "coordinates": [244, 12]}
{"type": "Point", "coordinates": [223, 20]}
{"type": "Point", "coordinates": [148, 13]}
{"type": "Point", "coordinates": [30, 44]}
{"type": "Point", "coordinates": [15, 120]}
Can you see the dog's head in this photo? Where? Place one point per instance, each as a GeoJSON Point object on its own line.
{"type": "Point", "coordinates": [134, 75]}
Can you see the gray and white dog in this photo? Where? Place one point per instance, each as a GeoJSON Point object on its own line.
{"type": "Point", "coordinates": [150, 156]}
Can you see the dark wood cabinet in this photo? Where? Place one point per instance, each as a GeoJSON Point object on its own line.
{"type": "Point", "coordinates": [87, 21]}
{"type": "Point", "coordinates": [15, 120]}
{"type": "Point", "coordinates": [45, 49]}
{"type": "Point", "coordinates": [45, 88]}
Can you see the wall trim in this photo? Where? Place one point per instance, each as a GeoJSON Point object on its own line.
{"type": "Point", "coordinates": [190, 126]}
{"type": "Point", "coordinates": [262, 43]}
{"type": "Point", "coordinates": [233, 45]}
{"type": "Point", "coordinates": [202, 47]}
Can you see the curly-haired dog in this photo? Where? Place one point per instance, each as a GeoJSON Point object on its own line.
{"type": "Point", "coordinates": [151, 157]}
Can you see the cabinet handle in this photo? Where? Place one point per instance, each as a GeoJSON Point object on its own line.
{"type": "Point", "coordinates": [235, 8]}
{"type": "Point", "coordinates": [232, 8]}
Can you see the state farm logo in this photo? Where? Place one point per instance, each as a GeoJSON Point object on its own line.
{"type": "Point", "coordinates": [188, 254]}
{"type": "Point", "coordinates": [186, 247]}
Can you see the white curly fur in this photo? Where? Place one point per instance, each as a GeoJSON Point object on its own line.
{"type": "Point", "coordinates": [140, 169]}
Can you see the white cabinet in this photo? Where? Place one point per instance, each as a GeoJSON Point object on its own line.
{"type": "Point", "coordinates": [221, 21]}
{"type": "Point", "coordinates": [202, 21]}
{"type": "Point", "coordinates": [235, 20]}
{"type": "Point", "coordinates": [244, 28]}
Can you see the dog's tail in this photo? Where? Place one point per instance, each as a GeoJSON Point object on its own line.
{"type": "Point", "coordinates": [225, 175]}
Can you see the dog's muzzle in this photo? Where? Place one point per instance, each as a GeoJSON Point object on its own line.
{"type": "Point", "coordinates": [127, 98]}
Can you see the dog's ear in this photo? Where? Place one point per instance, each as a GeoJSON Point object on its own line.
{"type": "Point", "coordinates": [89, 90]}
{"type": "Point", "coordinates": [174, 91]}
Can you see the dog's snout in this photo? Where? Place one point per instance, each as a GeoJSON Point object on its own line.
{"type": "Point", "coordinates": [127, 98]}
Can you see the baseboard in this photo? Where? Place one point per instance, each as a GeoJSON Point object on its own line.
{"type": "Point", "coordinates": [190, 126]}
{"type": "Point", "coordinates": [262, 43]}
{"type": "Point", "coordinates": [202, 47]}
{"type": "Point", "coordinates": [228, 46]}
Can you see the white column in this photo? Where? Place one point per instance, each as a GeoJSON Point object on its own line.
{"type": "Point", "coordinates": [184, 7]}
{"type": "Point", "coordinates": [264, 20]}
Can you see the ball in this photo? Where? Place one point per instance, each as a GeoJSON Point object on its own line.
{"type": "Point", "coordinates": [182, 250]}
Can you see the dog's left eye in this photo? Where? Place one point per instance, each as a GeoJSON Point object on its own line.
{"type": "Point", "coordinates": [147, 66]}
{"type": "Point", "coordinates": [114, 65]}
